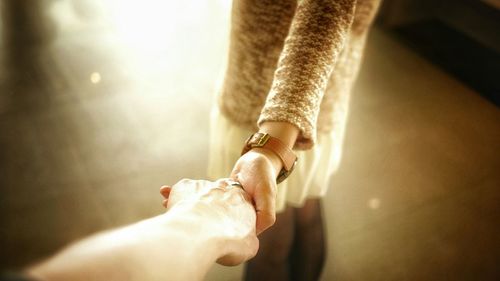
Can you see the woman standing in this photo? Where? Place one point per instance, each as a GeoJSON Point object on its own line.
{"type": "Point", "coordinates": [290, 71]}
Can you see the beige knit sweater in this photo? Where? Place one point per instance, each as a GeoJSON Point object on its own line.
{"type": "Point", "coordinates": [294, 62]}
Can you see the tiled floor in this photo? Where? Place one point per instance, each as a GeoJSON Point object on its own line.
{"type": "Point", "coordinates": [416, 197]}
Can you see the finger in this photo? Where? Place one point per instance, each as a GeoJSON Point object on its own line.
{"type": "Point", "coordinates": [203, 186]}
{"type": "Point", "coordinates": [219, 191]}
{"type": "Point", "coordinates": [222, 182]}
{"type": "Point", "coordinates": [246, 196]}
{"type": "Point", "coordinates": [265, 206]}
{"type": "Point", "coordinates": [234, 172]}
{"type": "Point", "coordinates": [239, 195]}
{"type": "Point", "coordinates": [235, 184]}
{"type": "Point", "coordinates": [165, 191]}
{"type": "Point", "coordinates": [237, 178]}
{"type": "Point", "coordinates": [265, 219]}
{"type": "Point", "coordinates": [186, 184]}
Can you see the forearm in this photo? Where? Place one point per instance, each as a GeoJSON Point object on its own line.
{"type": "Point", "coordinates": [174, 243]}
{"type": "Point", "coordinates": [284, 131]}
{"type": "Point", "coordinates": [315, 40]}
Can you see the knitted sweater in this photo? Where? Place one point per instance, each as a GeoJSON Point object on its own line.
{"type": "Point", "coordinates": [294, 62]}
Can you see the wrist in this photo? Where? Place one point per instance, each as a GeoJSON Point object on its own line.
{"type": "Point", "coordinates": [192, 234]}
{"type": "Point", "coordinates": [277, 151]}
{"type": "Point", "coordinates": [284, 131]}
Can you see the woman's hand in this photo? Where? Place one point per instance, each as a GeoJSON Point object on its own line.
{"type": "Point", "coordinates": [256, 170]}
{"type": "Point", "coordinates": [227, 209]}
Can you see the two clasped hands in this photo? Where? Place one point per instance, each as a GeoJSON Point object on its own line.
{"type": "Point", "coordinates": [205, 222]}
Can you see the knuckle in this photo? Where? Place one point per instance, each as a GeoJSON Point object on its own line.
{"type": "Point", "coordinates": [221, 182]}
{"type": "Point", "coordinates": [242, 195]}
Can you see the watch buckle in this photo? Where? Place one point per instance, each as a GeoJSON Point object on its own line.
{"type": "Point", "coordinates": [261, 141]}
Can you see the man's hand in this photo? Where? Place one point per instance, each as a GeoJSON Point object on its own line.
{"type": "Point", "coordinates": [205, 222]}
{"type": "Point", "coordinates": [228, 210]}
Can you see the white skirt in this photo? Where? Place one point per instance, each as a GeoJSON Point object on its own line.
{"type": "Point", "coordinates": [310, 178]}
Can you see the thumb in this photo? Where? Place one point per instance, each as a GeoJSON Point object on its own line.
{"type": "Point", "coordinates": [165, 191]}
{"type": "Point", "coordinates": [265, 206]}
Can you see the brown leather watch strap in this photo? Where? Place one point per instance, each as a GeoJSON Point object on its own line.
{"type": "Point", "coordinates": [287, 156]}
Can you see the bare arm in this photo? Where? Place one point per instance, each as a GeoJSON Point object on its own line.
{"type": "Point", "coordinates": [205, 222]}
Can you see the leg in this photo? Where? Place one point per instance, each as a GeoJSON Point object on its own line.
{"type": "Point", "coordinates": [308, 254]}
{"type": "Point", "coordinates": [271, 262]}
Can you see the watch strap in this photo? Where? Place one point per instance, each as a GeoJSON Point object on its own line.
{"type": "Point", "coordinates": [263, 140]}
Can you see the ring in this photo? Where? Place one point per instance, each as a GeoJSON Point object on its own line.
{"type": "Point", "coordinates": [234, 183]}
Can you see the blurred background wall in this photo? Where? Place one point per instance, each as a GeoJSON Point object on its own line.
{"type": "Point", "coordinates": [460, 36]}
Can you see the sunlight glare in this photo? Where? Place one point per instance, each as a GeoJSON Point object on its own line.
{"type": "Point", "coordinates": [147, 25]}
{"type": "Point", "coordinates": [95, 77]}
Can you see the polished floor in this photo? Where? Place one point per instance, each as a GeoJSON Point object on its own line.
{"type": "Point", "coordinates": [101, 102]}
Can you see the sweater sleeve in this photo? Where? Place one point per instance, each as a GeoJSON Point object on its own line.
{"type": "Point", "coordinates": [315, 40]}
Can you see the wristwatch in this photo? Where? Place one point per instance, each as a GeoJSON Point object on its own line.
{"type": "Point", "coordinates": [288, 158]}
